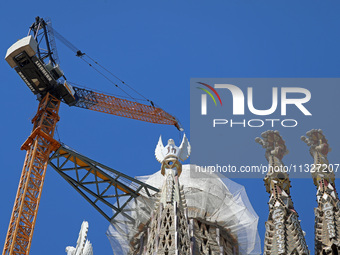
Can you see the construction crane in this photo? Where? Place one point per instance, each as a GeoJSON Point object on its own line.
{"type": "Point", "coordinates": [34, 58]}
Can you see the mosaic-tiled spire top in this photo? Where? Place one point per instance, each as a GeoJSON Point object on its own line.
{"type": "Point", "coordinates": [283, 231]}
{"type": "Point", "coordinates": [327, 220]}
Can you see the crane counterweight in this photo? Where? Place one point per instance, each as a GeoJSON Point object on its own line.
{"type": "Point", "coordinates": [38, 76]}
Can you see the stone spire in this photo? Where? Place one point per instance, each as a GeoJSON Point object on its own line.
{"type": "Point", "coordinates": [283, 231]}
{"type": "Point", "coordinates": [84, 247]}
{"type": "Point", "coordinates": [199, 217]}
{"type": "Point", "coordinates": [168, 231]}
{"type": "Point", "coordinates": [327, 220]}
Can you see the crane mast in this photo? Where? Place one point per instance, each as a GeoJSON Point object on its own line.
{"type": "Point", "coordinates": [39, 145]}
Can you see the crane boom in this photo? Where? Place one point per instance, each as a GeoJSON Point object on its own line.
{"type": "Point", "coordinates": [121, 107]}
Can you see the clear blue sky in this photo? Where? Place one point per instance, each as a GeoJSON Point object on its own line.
{"type": "Point", "coordinates": [156, 46]}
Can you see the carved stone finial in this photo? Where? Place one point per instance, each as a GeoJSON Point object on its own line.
{"type": "Point", "coordinates": [273, 143]}
{"type": "Point", "coordinates": [170, 155]}
{"type": "Point", "coordinates": [317, 141]}
{"type": "Point", "coordinates": [275, 150]}
{"type": "Point", "coordinates": [284, 234]}
{"type": "Point", "coordinates": [327, 237]}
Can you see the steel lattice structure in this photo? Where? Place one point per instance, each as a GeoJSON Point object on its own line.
{"type": "Point", "coordinates": [121, 107]}
{"type": "Point", "coordinates": [39, 146]}
{"type": "Point", "coordinates": [103, 187]}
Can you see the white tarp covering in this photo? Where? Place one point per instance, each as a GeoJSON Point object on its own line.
{"type": "Point", "coordinates": [208, 197]}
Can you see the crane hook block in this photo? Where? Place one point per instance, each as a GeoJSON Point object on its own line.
{"type": "Point", "coordinates": [79, 53]}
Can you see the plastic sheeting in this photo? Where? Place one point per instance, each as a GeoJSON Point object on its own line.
{"type": "Point", "coordinates": [211, 197]}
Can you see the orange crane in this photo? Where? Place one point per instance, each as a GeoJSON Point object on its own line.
{"type": "Point", "coordinates": [37, 65]}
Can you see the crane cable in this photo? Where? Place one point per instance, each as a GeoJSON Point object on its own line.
{"type": "Point", "coordinates": [107, 78]}
{"type": "Point", "coordinates": [123, 82]}
{"type": "Point", "coordinates": [80, 54]}
{"type": "Point", "coordinates": [102, 92]}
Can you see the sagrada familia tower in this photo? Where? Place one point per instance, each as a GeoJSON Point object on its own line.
{"type": "Point", "coordinates": [283, 231]}
{"type": "Point", "coordinates": [204, 214]}
{"type": "Point", "coordinates": [193, 213]}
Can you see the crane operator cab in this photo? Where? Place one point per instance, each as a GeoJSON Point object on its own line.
{"type": "Point", "coordinates": [41, 78]}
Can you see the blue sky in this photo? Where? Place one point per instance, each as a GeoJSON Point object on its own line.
{"type": "Point", "coordinates": [156, 46]}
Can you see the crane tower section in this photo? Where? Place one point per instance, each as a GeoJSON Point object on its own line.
{"type": "Point", "coordinates": [39, 145]}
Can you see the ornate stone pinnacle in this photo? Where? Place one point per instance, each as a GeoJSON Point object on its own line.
{"type": "Point", "coordinates": [317, 141]}
{"type": "Point", "coordinates": [327, 214]}
{"type": "Point", "coordinates": [273, 143]}
{"type": "Point", "coordinates": [170, 155]}
{"type": "Point", "coordinates": [283, 231]}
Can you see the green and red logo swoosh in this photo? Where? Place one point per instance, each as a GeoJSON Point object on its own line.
{"type": "Point", "coordinates": [209, 93]}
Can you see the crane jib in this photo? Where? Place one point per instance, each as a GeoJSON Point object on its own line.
{"type": "Point", "coordinates": [121, 107]}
